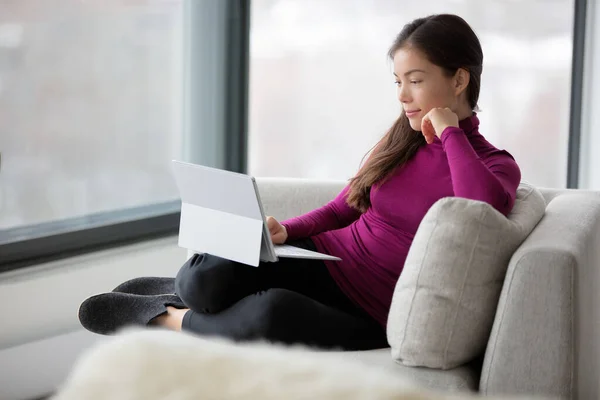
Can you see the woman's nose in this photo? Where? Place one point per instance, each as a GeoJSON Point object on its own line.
{"type": "Point", "coordinates": [403, 95]}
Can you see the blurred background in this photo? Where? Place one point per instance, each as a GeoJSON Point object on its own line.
{"type": "Point", "coordinates": [90, 106]}
{"type": "Point", "coordinates": [92, 92]}
{"type": "Point", "coordinates": [322, 93]}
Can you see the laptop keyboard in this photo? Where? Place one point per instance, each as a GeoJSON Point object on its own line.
{"type": "Point", "coordinates": [284, 249]}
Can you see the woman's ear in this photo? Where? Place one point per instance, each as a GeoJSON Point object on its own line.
{"type": "Point", "coordinates": [462, 78]}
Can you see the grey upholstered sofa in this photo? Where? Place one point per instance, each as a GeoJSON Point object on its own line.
{"type": "Point", "coordinates": [547, 325]}
{"type": "Point", "coordinates": [544, 340]}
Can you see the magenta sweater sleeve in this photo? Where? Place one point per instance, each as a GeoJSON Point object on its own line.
{"type": "Point", "coordinates": [334, 215]}
{"type": "Point", "coordinates": [494, 179]}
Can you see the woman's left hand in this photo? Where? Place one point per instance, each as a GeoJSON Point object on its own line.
{"type": "Point", "coordinates": [435, 121]}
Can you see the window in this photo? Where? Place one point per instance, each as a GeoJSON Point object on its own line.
{"type": "Point", "coordinates": [90, 113]}
{"type": "Point", "coordinates": [96, 98]}
{"type": "Point", "coordinates": [322, 93]}
{"type": "Point", "coordinates": [90, 100]}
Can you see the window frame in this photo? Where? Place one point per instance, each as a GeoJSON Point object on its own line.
{"type": "Point", "coordinates": [576, 103]}
{"type": "Point", "coordinates": [25, 246]}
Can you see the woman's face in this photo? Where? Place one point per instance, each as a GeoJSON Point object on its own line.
{"type": "Point", "coordinates": [422, 86]}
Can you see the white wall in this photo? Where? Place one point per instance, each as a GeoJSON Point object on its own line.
{"type": "Point", "coordinates": [40, 335]}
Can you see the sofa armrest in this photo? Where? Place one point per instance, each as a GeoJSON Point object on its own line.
{"type": "Point", "coordinates": [284, 198]}
{"type": "Point", "coordinates": [544, 338]}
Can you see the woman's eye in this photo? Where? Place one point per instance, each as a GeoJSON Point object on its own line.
{"type": "Point", "coordinates": [397, 83]}
{"type": "Point", "coordinates": [415, 82]}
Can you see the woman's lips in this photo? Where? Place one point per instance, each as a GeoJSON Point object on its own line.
{"type": "Point", "coordinates": [411, 113]}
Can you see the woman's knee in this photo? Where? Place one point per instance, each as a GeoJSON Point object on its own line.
{"type": "Point", "coordinates": [199, 282]}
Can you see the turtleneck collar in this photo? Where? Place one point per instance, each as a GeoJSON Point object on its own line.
{"type": "Point", "coordinates": [469, 124]}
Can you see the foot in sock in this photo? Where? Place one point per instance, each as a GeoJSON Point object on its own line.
{"type": "Point", "coordinates": [147, 286]}
{"type": "Point", "coordinates": [172, 319]}
{"type": "Point", "coordinates": [108, 312]}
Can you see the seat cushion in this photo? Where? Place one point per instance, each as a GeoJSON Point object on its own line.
{"type": "Point", "coordinates": [445, 300]}
{"type": "Point", "coordinates": [461, 379]}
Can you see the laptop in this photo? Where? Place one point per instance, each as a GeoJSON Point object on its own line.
{"type": "Point", "coordinates": [222, 214]}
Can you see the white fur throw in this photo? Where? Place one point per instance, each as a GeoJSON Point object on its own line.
{"type": "Point", "coordinates": [154, 364]}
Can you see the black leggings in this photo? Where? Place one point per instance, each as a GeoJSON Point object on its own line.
{"type": "Point", "coordinates": [290, 301]}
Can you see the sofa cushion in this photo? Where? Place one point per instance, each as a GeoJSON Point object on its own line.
{"type": "Point", "coordinates": [461, 379]}
{"type": "Point", "coordinates": [446, 297]}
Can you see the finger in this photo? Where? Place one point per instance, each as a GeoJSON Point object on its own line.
{"type": "Point", "coordinates": [428, 131]}
{"type": "Point", "coordinates": [273, 229]}
{"type": "Point", "coordinates": [426, 119]}
{"type": "Point", "coordinates": [277, 238]}
{"type": "Point", "coordinates": [271, 224]}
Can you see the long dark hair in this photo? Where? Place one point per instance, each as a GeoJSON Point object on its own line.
{"type": "Point", "coordinates": [448, 42]}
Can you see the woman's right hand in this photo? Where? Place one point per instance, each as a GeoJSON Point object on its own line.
{"type": "Point", "coordinates": [278, 232]}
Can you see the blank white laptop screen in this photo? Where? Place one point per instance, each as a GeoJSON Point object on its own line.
{"type": "Point", "coordinates": [221, 214]}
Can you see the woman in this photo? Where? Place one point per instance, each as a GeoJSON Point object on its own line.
{"type": "Point", "coordinates": [433, 150]}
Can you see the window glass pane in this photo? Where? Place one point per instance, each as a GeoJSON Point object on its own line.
{"type": "Point", "coordinates": [90, 106]}
{"type": "Point", "coordinates": [322, 92]}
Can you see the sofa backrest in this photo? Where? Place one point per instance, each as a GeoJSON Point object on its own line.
{"type": "Point", "coordinates": [545, 334]}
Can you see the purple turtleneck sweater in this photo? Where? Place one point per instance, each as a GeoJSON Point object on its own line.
{"type": "Point", "coordinates": [373, 245]}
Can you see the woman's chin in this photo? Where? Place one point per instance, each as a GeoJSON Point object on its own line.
{"type": "Point", "coordinates": [415, 125]}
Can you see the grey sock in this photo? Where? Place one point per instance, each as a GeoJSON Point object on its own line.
{"type": "Point", "coordinates": [108, 312]}
{"type": "Point", "coordinates": [150, 285]}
